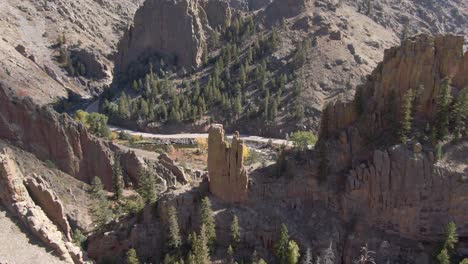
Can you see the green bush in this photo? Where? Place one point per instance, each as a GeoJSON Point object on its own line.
{"type": "Point", "coordinates": [303, 139]}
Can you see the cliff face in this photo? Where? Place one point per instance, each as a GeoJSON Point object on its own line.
{"type": "Point", "coordinates": [404, 192]}
{"type": "Point", "coordinates": [399, 190]}
{"type": "Point", "coordinates": [54, 137]}
{"type": "Point", "coordinates": [228, 177]}
{"type": "Point", "coordinates": [175, 30]}
{"type": "Point", "coordinates": [420, 64]}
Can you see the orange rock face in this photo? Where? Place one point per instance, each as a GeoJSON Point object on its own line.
{"type": "Point", "coordinates": [228, 177]}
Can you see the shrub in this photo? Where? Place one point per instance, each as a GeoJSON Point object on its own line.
{"type": "Point", "coordinates": [303, 139]}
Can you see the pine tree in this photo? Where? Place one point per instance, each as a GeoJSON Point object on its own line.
{"type": "Point", "coordinates": [451, 236]}
{"type": "Point", "coordinates": [405, 124]}
{"type": "Point", "coordinates": [118, 184]}
{"type": "Point", "coordinates": [199, 247]}
{"type": "Point", "coordinates": [267, 104]}
{"type": "Point", "coordinates": [293, 252]}
{"type": "Point", "coordinates": [443, 110]}
{"type": "Point", "coordinates": [100, 211]}
{"type": "Point", "coordinates": [208, 222]}
{"type": "Point", "coordinates": [230, 253]}
{"type": "Point", "coordinates": [235, 231]}
{"type": "Point", "coordinates": [460, 115]}
{"type": "Point", "coordinates": [443, 257]}
{"type": "Point", "coordinates": [174, 232]}
{"type": "Point", "coordinates": [124, 107]}
{"type": "Point", "coordinates": [147, 186]}
{"type": "Point", "coordinates": [132, 257]}
{"type": "Point", "coordinates": [282, 246]}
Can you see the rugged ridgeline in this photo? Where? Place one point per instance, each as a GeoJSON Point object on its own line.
{"type": "Point", "coordinates": [228, 177]}
{"type": "Point", "coordinates": [37, 207]}
{"type": "Point", "coordinates": [401, 189]}
{"type": "Point", "coordinates": [57, 138]}
{"type": "Point", "coordinates": [175, 30]}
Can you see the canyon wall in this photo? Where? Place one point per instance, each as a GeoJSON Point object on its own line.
{"type": "Point", "coordinates": [174, 30]}
{"type": "Point", "coordinates": [54, 137]}
{"type": "Point", "coordinates": [228, 177]}
{"type": "Point", "coordinates": [400, 189]}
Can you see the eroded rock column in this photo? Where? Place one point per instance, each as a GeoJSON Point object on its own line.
{"type": "Point", "coordinates": [227, 175]}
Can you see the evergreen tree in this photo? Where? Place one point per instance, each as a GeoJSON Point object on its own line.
{"type": "Point", "coordinates": [132, 257]}
{"type": "Point", "coordinates": [230, 253]}
{"type": "Point", "coordinates": [282, 246]}
{"type": "Point", "coordinates": [405, 125]}
{"type": "Point", "coordinates": [118, 183]}
{"type": "Point", "coordinates": [199, 247]}
{"type": "Point", "coordinates": [124, 107]}
{"type": "Point", "coordinates": [208, 222]}
{"type": "Point", "coordinates": [147, 186]}
{"type": "Point", "coordinates": [460, 115]}
{"type": "Point", "coordinates": [100, 211]}
{"type": "Point", "coordinates": [443, 110]}
{"type": "Point", "coordinates": [443, 257]}
{"type": "Point", "coordinates": [267, 104]}
{"type": "Point", "coordinates": [235, 231]}
{"type": "Point", "coordinates": [451, 236]}
{"type": "Point", "coordinates": [174, 232]}
{"type": "Point", "coordinates": [293, 252]}
{"type": "Point", "coordinates": [274, 110]}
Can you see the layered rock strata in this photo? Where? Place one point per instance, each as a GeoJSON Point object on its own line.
{"type": "Point", "coordinates": [228, 177]}
{"type": "Point", "coordinates": [16, 198]}
{"type": "Point", "coordinates": [399, 190]}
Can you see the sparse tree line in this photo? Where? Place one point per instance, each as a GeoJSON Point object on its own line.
{"type": "Point", "coordinates": [201, 245]}
{"type": "Point", "coordinates": [450, 120]}
{"type": "Point", "coordinates": [72, 65]}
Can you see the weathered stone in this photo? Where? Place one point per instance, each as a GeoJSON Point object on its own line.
{"type": "Point", "coordinates": [228, 177]}
{"type": "Point", "coordinates": [55, 137]}
{"type": "Point", "coordinates": [95, 66]}
{"type": "Point", "coordinates": [278, 10]}
{"type": "Point", "coordinates": [176, 170]}
{"type": "Point", "coordinates": [175, 30]}
{"type": "Point", "coordinates": [49, 202]}
{"type": "Point", "coordinates": [15, 197]}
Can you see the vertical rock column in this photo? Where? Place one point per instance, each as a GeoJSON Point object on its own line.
{"type": "Point", "coordinates": [228, 177]}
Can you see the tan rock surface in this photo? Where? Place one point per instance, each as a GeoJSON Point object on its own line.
{"type": "Point", "coordinates": [228, 177]}
{"type": "Point", "coordinates": [43, 196]}
{"type": "Point", "coordinates": [15, 197]}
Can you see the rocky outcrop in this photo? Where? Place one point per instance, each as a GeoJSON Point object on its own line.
{"type": "Point", "coordinates": [43, 196]}
{"type": "Point", "coordinates": [15, 196]}
{"type": "Point", "coordinates": [280, 9]}
{"type": "Point", "coordinates": [169, 164]}
{"type": "Point", "coordinates": [147, 232]}
{"type": "Point", "coordinates": [404, 193]}
{"type": "Point", "coordinates": [228, 177]}
{"type": "Point", "coordinates": [95, 65]}
{"type": "Point", "coordinates": [421, 64]}
{"type": "Point", "coordinates": [399, 189]}
{"type": "Point", "coordinates": [54, 137]}
{"type": "Point", "coordinates": [174, 30]}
